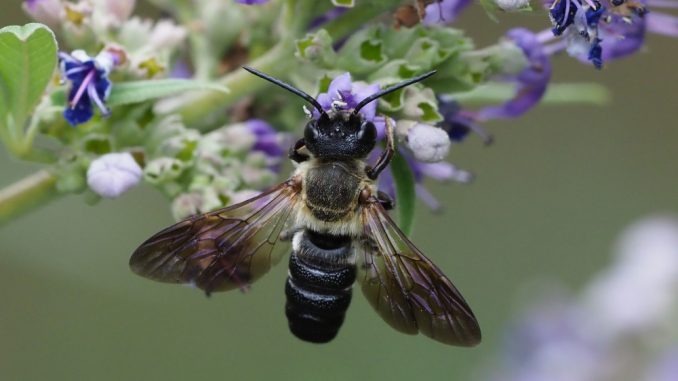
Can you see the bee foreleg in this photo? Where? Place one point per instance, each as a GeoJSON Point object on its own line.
{"type": "Point", "coordinates": [385, 200]}
{"type": "Point", "coordinates": [295, 153]}
{"type": "Point", "coordinates": [385, 158]}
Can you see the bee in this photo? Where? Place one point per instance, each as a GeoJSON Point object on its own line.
{"type": "Point", "coordinates": [337, 221]}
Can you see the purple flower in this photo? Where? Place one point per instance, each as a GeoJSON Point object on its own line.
{"type": "Point", "coordinates": [344, 94]}
{"type": "Point", "coordinates": [89, 83]}
{"type": "Point", "coordinates": [443, 12]}
{"type": "Point", "coordinates": [267, 138]}
{"type": "Point", "coordinates": [327, 17]}
{"type": "Point", "coordinates": [578, 21]}
{"type": "Point", "coordinates": [666, 368]}
{"type": "Point", "coordinates": [440, 171]}
{"type": "Point", "coordinates": [459, 123]}
{"type": "Point", "coordinates": [596, 34]}
{"type": "Point", "coordinates": [251, 2]}
{"type": "Point", "coordinates": [623, 28]}
{"type": "Point", "coordinates": [531, 83]}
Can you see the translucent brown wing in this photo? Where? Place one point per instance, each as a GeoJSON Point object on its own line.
{"type": "Point", "coordinates": [408, 290]}
{"type": "Point", "coordinates": [221, 250]}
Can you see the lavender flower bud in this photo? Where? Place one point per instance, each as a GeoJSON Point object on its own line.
{"type": "Point", "coordinates": [113, 174]}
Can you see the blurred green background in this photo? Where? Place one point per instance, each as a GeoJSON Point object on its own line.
{"type": "Point", "coordinates": [550, 198]}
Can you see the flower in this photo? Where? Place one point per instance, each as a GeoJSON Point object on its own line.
{"type": "Point", "coordinates": [443, 12]}
{"type": "Point", "coordinates": [47, 12]}
{"type": "Point", "coordinates": [512, 5]}
{"type": "Point", "coordinates": [119, 10]}
{"type": "Point", "coordinates": [603, 33]}
{"type": "Point", "coordinates": [267, 139]}
{"type": "Point", "coordinates": [251, 2]}
{"type": "Point", "coordinates": [441, 171]}
{"type": "Point", "coordinates": [459, 123]}
{"type": "Point", "coordinates": [327, 17]}
{"type": "Point", "coordinates": [531, 82]}
{"type": "Point", "coordinates": [646, 271]}
{"type": "Point", "coordinates": [428, 144]}
{"type": "Point", "coordinates": [89, 83]}
{"type": "Point", "coordinates": [620, 325]}
{"type": "Point", "coordinates": [113, 174]}
{"type": "Point", "coordinates": [344, 94]}
{"type": "Point", "coordinates": [623, 27]}
{"type": "Point", "coordinates": [578, 21]}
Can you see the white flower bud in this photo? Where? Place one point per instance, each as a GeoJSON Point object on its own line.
{"type": "Point", "coordinates": [428, 143]}
{"type": "Point", "coordinates": [512, 5]}
{"type": "Point", "coordinates": [47, 12]}
{"type": "Point", "coordinates": [120, 9]}
{"type": "Point", "coordinates": [113, 174]}
{"type": "Point", "coordinates": [166, 35]}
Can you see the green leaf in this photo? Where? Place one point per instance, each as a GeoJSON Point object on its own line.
{"type": "Point", "coordinates": [405, 192]}
{"type": "Point", "coordinates": [140, 91]}
{"type": "Point", "coordinates": [343, 3]}
{"type": "Point", "coordinates": [27, 63]}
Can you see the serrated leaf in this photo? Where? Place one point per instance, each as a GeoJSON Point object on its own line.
{"type": "Point", "coordinates": [140, 91]}
{"type": "Point", "coordinates": [406, 195]}
{"type": "Point", "coordinates": [27, 61]}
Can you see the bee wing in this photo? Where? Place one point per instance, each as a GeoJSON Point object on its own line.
{"type": "Point", "coordinates": [221, 250]}
{"type": "Point", "coordinates": [407, 289]}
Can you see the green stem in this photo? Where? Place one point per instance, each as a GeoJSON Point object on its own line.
{"type": "Point", "coordinates": [240, 83]}
{"type": "Point", "coordinates": [27, 194]}
{"type": "Point", "coordinates": [557, 93]}
{"type": "Point", "coordinates": [357, 17]}
{"type": "Point", "coordinates": [278, 61]}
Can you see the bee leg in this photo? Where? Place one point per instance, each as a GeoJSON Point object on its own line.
{"type": "Point", "coordinates": [385, 200]}
{"type": "Point", "coordinates": [294, 153]}
{"type": "Point", "coordinates": [385, 158]}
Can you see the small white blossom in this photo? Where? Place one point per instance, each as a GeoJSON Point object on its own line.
{"type": "Point", "coordinates": [113, 174]}
{"type": "Point", "coordinates": [428, 143]}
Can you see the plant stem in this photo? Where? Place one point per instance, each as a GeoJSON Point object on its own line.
{"type": "Point", "coordinates": [239, 83]}
{"type": "Point", "coordinates": [27, 194]}
{"type": "Point", "coordinates": [279, 60]}
{"type": "Point", "coordinates": [557, 93]}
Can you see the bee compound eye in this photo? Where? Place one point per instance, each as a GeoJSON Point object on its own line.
{"type": "Point", "coordinates": [368, 132]}
{"type": "Point", "coordinates": [311, 131]}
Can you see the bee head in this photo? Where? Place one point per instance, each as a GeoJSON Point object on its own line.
{"type": "Point", "coordinates": [340, 134]}
{"type": "Point", "coordinates": [344, 135]}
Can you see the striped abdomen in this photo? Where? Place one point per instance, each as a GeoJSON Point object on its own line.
{"type": "Point", "coordinates": [318, 288]}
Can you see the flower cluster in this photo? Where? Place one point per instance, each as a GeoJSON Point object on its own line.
{"type": "Point", "coordinates": [619, 328]}
{"type": "Point", "coordinates": [169, 94]}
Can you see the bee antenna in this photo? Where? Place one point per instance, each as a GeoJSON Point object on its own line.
{"type": "Point", "coordinates": [391, 89]}
{"type": "Point", "coordinates": [287, 87]}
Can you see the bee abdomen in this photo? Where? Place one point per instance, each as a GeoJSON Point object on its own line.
{"type": "Point", "coordinates": [318, 291]}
